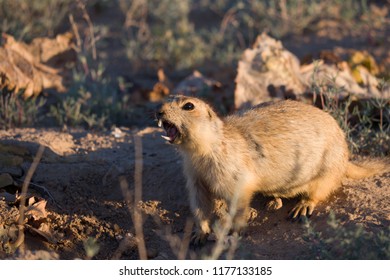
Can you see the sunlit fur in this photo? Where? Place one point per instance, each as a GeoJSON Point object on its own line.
{"type": "Point", "coordinates": [282, 150]}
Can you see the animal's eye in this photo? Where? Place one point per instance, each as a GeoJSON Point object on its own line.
{"type": "Point", "coordinates": [188, 106]}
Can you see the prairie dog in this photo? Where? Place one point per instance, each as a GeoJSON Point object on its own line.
{"type": "Point", "coordinates": [283, 149]}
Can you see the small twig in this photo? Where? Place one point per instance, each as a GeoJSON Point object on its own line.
{"type": "Point", "coordinates": [19, 241]}
{"type": "Point", "coordinates": [185, 242]}
{"type": "Point", "coordinates": [138, 196]}
{"type": "Point", "coordinates": [87, 18]}
{"type": "Point", "coordinates": [136, 214]}
{"type": "Point", "coordinates": [222, 231]}
{"type": "Point", "coordinates": [283, 11]}
{"type": "Point", "coordinates": [228, 18]}
{"type": "Point", "coordinates": [234, 241]}
{"type": "Point", "coordinates": [130, 203]}
{"type": "Point", "coordinates": [76, 32]}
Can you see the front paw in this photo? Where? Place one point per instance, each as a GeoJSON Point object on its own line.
{"type": "Point", "coordinates": [198, 239]}
{"type": "Point", "coordinates": [274, 204]}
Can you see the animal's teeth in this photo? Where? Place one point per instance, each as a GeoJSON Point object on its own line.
{"type": "Point", "coordinates": [159, 123]}
{"type": "Point", "coordinates": [166, 137]}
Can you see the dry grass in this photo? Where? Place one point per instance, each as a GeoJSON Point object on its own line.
{"type": "Point", "coordinates": [18, 243]}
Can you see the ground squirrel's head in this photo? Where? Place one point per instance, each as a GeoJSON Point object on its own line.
{"type": "Point", "coordinates": [186, 119]}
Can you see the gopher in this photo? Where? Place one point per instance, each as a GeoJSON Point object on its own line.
{"type": "Point", "coordinates": [282, 150]}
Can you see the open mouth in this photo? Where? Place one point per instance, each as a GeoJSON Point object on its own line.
{"type": "Point", "coordinates": [170, 129]}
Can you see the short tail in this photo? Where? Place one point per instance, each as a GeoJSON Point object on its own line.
{"type": "Point", "coordinates": [367, 168]}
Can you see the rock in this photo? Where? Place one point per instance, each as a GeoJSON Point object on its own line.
{"type": "Point", "coordinates": [196, 84]}
{"type": "Point", "coordinates": [14, 149]}
{"type": "Point", "coordinates": [7, 160]}
{"type": "Point", "coordinates": [6, 180]}
{"type": "Point", "coordinates": [268, 71]}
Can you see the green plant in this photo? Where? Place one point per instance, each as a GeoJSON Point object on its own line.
{"type": "Point", "coordinates": [160, 32]}
{"type": "Point", "coordinates": [373, 122]}
{"type": "Point", "coordinates": [30, 19]}
{"type": "Point", "coordinates": [361, 119]}
{"type": "Point", "coordinates": [15, 111]}
{"type": "Point", "coordinates": [170, 34]}
{"type": "Point", "coordinates": [347, 243]}
{"type": "Point", "coordinates": [91, 247]}
{"type": "Point", "coordinates": [92, 101]}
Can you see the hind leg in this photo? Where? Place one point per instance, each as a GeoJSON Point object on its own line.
{"type": "Point", "coordinates": [304, 208]}
{"type": "Point", "coordinates": [317, 190]}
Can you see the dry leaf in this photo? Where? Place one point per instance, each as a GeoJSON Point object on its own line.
{"type": "Point", "coordinates": [43, 231]}
{"type": "Point", "coordinates": [23, 66]}
{"type": "Point", "coordinates": [363, 58]}
{"type": "Point", "coordinates": [36, 209]}
{"type": "Point", "coordinates": [12, 232]}
{"type": "Point", "coordinates": [162, 88]}
{"type": "Point", "coordinates": [54, 52]}
{"type": "Point", "coordinates": [3, 232]}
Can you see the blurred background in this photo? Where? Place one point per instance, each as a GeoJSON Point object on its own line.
{"type": "Point", "coordinates": [123, 48]}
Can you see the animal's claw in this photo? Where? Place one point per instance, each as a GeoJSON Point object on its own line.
{"type": "Point", "coordinates": [274, 204]}
{"type": "Point", "coordinates": [303, 209]}
{"type": "Point", "coordinates": [198, 239]}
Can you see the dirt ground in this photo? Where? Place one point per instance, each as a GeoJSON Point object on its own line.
{"type": "Point", "coordinates": [82, 170]}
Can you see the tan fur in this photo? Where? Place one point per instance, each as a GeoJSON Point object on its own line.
{"type": "Point", "coordinates": [367, 168]}
{"type": "Point", "coordinates": [281, 150]}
